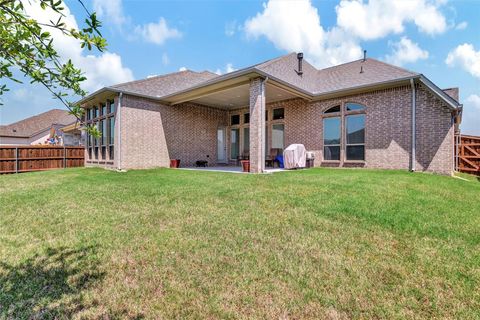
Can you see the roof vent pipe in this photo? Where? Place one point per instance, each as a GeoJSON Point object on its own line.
{"type": "Point", "coordinates": [364, 55]}
{"type": "Point", "coordinates": [300, 62]}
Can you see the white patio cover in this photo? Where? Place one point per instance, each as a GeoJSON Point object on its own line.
{"type": "Point", "coordinates": [294, 156]}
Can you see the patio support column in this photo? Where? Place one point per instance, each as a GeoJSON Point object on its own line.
{"type": "Point", "coordinates": [257, 125]}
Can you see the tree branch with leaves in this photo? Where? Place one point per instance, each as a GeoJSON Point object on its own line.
{"type": "Point", "coordinates": [27, 47]}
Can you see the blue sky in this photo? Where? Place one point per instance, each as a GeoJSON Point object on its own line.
{"type": "Point", "coordinates": [438, 38]}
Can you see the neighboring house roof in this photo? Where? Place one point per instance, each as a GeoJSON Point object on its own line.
{"type": "Point", "coordinates": [28, 127]}
{"type": "Point", "coordinates": [311, 84]}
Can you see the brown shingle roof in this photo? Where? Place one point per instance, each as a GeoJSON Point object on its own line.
{"type": "Point", "coordinates": [30, 126]}
{"type": "Point", "coordinates": [166, 84]}
{"type": "Point", "coordinates": [358, 73]}
{"type": "Point", "coordinates": [312, 82]}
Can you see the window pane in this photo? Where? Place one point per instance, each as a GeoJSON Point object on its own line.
{"type": "Point", "coordinates": [356, 129]}
{"type": "Point", "coordinates": [111, 153]}
{"type": "Point", "coordinates": [266, 115]}
{"type": "Point", "coordinates": [112, 106]}
{"type": "Point", "coordinates": [246, 140]}
{"type": "Point", "coordinates": [355, 152]}
{"type": "Point", "coordinates": [332, 109]}
{"type": "Point", "coordinates": [235, 119]}
{"type": "Point", "coordinates": [104, 109]}
{"type": "Point", "coordinates": [331, 131]}
{"type": "Point", "coordinates": [103, 128]}
{"type": "Point", "coordinates": [331, 153]}
{"type": "Point", "coordinates": [277, 136]}
{"type": "Point", "coordinates": [246, 118]}
{"type": "Point", "coordinates": [112, 130]}
{"type": "Point", "coordinates": [234, 143]}
{"type": "Point", "coordinates": [354, 107]}
{"type": "Point", "coordinates": [278, 113]}
{"type": "Point", "coordinates": [94, 112]}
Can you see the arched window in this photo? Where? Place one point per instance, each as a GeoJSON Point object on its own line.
{"type": "Point", "coordinates": [351, 140]}
{"type": "Point", "coordinates": [332, 110]}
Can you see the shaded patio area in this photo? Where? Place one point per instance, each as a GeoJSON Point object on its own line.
{"type": "Point", "coordinates": [231, 169]}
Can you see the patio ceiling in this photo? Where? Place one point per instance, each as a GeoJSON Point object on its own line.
{"type": "Point", "coordinates": [239, 96]}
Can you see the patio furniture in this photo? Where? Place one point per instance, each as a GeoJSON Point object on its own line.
{"type": "Point", "coordinates": [271, 158]}
{"type": "Point", "coordinates": [201, 163]}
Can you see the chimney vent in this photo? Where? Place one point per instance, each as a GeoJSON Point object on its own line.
{"type": "Point", "coordinates": [361, 69]}
{"type": "Point", "coordinates": [364, 55]}
{"type": "Point", "coordinates": [300, 62]}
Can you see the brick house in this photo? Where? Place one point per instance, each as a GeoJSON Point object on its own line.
{"type": "Point", "coordinates": [365, 113]}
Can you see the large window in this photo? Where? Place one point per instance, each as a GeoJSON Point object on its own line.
{"type": "Point", "coordinates": [104, 109]}
{"type": "Point", "coordinates": [111, 122]}
{"type": "Point", "coordinates": [234, 143]}
{"type": "Point", "coordinates": [278, 136]}
{"type": "Point", "coordinates": [331, 138]}
{"type": "Point", "coordinates": [351, 140]}
{"type": "Point", "coordinates": [103, 131]}
{"type": "Point", "coordinates": [355, 137]}
{"type": "Point", "coordinates": [246, 140]}
{"type": "Point", "coordinates": [111, 107]}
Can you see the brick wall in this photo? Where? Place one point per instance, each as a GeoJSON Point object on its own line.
{"type": "Point", "coordinates": [143, 140]}
{"type": "Point", "coordinates": [153, 133]}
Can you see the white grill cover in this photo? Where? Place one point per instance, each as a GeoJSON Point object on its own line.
{"type": "Point", "coordinates": [294, 156]}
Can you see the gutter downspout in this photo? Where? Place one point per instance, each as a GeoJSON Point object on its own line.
{"type": "Point", "coordinates": [262, 132]}
{"type": "Point", "coordinates": [414, 138]}
{"type": "Point", "coordinates": [119, 118]}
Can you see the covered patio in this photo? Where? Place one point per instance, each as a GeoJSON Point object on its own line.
{"type": "Point", "coordinates": [253, 131]}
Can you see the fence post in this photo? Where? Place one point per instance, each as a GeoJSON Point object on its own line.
{"type": "Point", "coordinates": [16, 159]}
{"type": "Point", "coordinates": [64, 157]}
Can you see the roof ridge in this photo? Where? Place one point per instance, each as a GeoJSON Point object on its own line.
{"type": "Point", "coordinates": [341, 64]}
{"type": "Point", "coordinates": [393, 66]}
{"type": "Point", "coordinates": [270, 61]}
{"type": "Point", "coordinates": [34, 116]}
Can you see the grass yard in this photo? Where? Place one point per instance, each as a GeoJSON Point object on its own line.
{"type": "Point", "coordinates": [163, 244]}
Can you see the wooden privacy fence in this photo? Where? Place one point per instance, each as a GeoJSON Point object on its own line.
{"type": "Point", "coordinates": [14, 159]}
{"type": "Point", "coordinates": [468, 154]}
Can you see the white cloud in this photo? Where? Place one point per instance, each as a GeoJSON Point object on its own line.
{"type": "Point", "coordinates": [157, 33]}
{"type": "Point", "coordinates": [182, 69]}
{"type": "Point", "coordinates": [102, 70]}
{"type": "Point", "coordinates": [110, 10]}
{"type": "Point", "coordinates": [471, 115]}
{"type": "Point", "coordinates": [465, 57]}
{"type": "Point", "coordinates": [295, 26]}
{"type": "Point", "coordinates": [377, 18]}
{"type": "Point", "coordinates": [165, 59]}
{"type": "Point", "coordinates": [231, 28]}
{"type": "Point", "coordinates": [228, 68]}
{"type": "Point", "coordinates": [406, 51]}
{"type": "Point", "coordinates": [462, 25]}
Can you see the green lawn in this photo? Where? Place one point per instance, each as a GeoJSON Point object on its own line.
{"type": "Point", "coordinates": [319, 243]}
